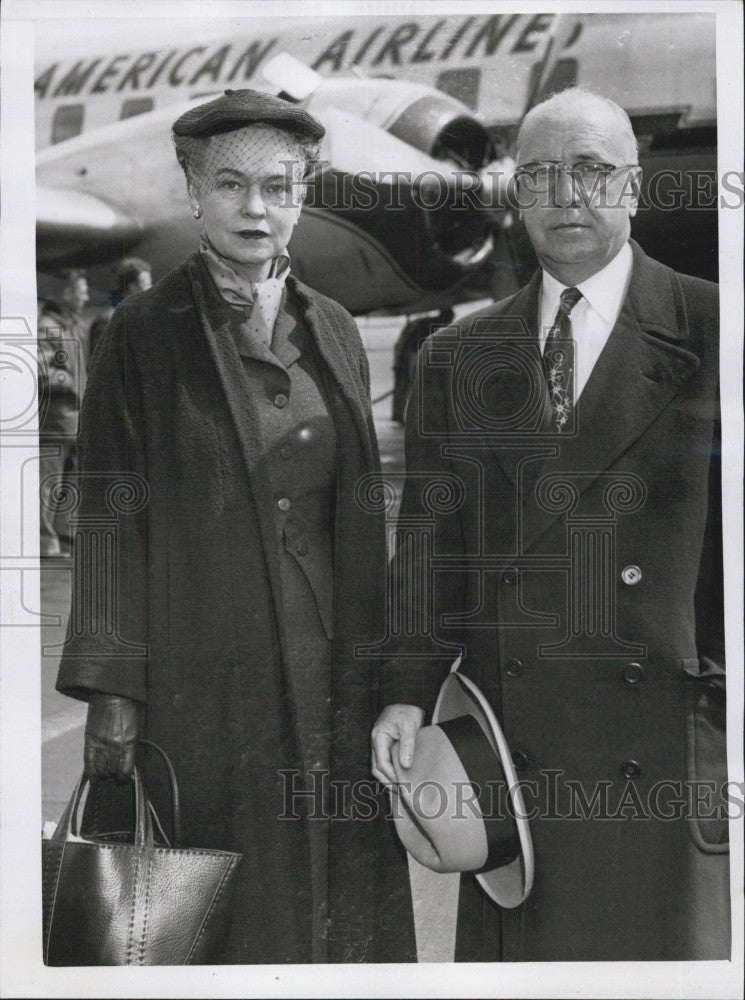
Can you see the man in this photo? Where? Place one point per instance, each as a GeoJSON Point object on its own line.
{"type": "Point", "coordinates": [130, 275]}
{"type": "Point", "coordinates": [576, 564]}
{"type": "Point", "coordinates": [61, 341]}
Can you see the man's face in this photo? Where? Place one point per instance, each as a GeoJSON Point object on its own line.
{"type": "Point", "coordinates": [143, 281]}
{"type": "Point", "coordinates": [250, 198]}
{"type": "Point", "coordinates": [574, 231]}
{"type": "Point", "coordinates": [76, 294]}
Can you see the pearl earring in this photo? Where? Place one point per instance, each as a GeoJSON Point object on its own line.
{"type": "Point", "coordinates": [197, 212]}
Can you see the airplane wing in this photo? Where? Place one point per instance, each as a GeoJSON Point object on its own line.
{"type": "Point", "coordinates": [73, 224]}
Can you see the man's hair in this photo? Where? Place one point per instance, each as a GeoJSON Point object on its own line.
{"type": "Point", "coordinates": [72, 274]}
{"type": "Point", "coordinates": [570, 101]}
{"type": "Point", "coordinates": [128, 271]}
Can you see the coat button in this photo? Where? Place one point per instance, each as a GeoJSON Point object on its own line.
{"type": "Point", "coordinates": [508, 577]}
{"type": "Point", "coordinates": [630, 769]}
{"type": "Point", "coordinates": [514, 668]}
{"type": "Point", "coordinates": [631, 575]}
{"type": "Point", "coordinates": [60, 357]}
{"type": "Point", "coordinates": [633, 673]}
{"type": "Point", "coordinates": [519, 759]}
{"type": "Point", "coordinates": [285, 503]}
{"type": "Point", "coordinates": [286, 451]}
{"type": "Point", "coordinates": [61, 377]}
{"type": "Point", "coordinates": [302, 548]}
{"type": "Point", "coordinates": [280, 400]}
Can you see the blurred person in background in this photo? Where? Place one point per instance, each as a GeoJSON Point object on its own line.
{"type": "Point", "coordinates": [61, 350]}
{"type": "Point", "coordinates": [130, 275]}
{"type": "Point", "coordinates": [405, 353]}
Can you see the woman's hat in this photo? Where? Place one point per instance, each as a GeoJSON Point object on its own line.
{"type": "Point", "coordinates": [459, 807]}
{"type": "Point", "coordinates": [238, 108]}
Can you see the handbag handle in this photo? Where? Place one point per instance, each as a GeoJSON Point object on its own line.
{"type": "Point", "coordinates": [68, 825]}
{"type": "Point", "coordinates": [144, 810]}
{"type": "Point", "coordinates": [175, 797]}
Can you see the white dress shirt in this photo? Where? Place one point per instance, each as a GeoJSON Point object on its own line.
{"type": "Point", "coordinates": [593, 317]}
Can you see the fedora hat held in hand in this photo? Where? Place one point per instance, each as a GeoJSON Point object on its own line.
{"type": "Point", "coordinates": [459, 807]}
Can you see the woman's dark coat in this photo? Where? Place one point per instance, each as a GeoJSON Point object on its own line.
{"type": "Point", "coordinates": [168, 415]}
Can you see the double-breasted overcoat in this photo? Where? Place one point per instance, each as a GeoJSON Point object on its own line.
{"type": "Point", "coordinates": [580, 575]}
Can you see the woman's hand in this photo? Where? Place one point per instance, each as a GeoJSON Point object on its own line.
{"type": "Point", "coordinates": [111, 732]}
{"type": "Point", "coordinates": [396, 724]}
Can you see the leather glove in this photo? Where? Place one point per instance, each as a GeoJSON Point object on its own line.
{"type": "Point", "coordinates": [111, 732]}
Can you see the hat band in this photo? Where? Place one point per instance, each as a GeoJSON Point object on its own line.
{"type": "Point", "coordinates": [485, 774]}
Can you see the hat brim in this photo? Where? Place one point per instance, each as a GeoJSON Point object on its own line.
{"type": "Point", "coordinates": [510, 884]}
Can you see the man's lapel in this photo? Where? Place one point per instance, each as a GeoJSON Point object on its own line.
{"type": "Point", "coordinates": [641, 369]}
{"type": "Point", "coordinates": [515, 332]}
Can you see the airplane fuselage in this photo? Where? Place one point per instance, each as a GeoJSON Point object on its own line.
{"type": "Point", "coordinates": [487, 62]}
{"type": "Point", "coordinates": [483, 60]}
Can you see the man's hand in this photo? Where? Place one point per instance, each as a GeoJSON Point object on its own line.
{"type": "Point", "coordinates": [111, 732]}
{"type": "Point", "coordinates": [396, 724]}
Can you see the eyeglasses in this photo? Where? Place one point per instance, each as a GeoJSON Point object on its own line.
{"type": "Point", "coordinates": [543, 175]}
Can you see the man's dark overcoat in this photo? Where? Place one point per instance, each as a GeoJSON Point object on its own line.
{"type": "Point", "coordinates": [584, 574]}
{"type": "Point", "coordinates": [168, 415]}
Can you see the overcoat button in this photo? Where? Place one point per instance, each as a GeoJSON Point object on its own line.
{"type": "Point", "coordinates": [280, 400]}
{"type": "Point", "coordinates": [60, 357]}
{"type": "Point", "coordinates": [286, 450]}
{"type": "Point", "coordinates": [630, 769]}
{"type": "Point", "coordinates": [509, 576]}
{"type": "Point", "coordinates": [61, 376]}
{"type": "Point", "coordinates": [631, 575]}
{"type": "Point", "coordinates": [514, 668]}
{"type": "Point", "coordinates": [302, 548]}
{"type": "Point", "coordinates": [633, 673]}
{"type": "Point", "coordinates": [519, 759]}
{"type": "Point", "coordinates": [284, 504]}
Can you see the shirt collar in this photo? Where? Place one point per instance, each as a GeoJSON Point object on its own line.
{"type": "Point", "coordinates": [603, 291]}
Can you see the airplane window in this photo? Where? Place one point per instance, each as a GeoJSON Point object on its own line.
{"type": "Point", "coordinates": [136, 106]}
{"type": "Point", "coordinates": [563, 75]}
{"type": "Point", "coordinates": [463, 84]}
{"type": "Point", "coordinates": [67, 122]}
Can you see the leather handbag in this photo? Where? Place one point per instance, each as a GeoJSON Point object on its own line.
{"type": "Point", "coordinates": [136, 903]}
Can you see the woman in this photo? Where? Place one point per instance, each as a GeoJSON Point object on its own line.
{"type": "Point", "coordinates": [247, 571]}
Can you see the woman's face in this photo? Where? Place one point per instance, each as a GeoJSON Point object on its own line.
{"type": "Point", "coordinates": [249, 188]}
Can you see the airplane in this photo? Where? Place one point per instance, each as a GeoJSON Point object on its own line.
{"type": "Point", "coordinates": [409, 103]}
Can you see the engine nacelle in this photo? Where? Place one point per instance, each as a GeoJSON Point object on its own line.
{"type": "Point", "coordinates": [421, 116]}
{"type": "Point", "coordinates": [444, 233]}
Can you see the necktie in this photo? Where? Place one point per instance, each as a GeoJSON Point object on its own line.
{"type": "Point", "coordinates": [558, 359]}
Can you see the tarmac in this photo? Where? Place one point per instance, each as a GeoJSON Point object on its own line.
{"type": "Point", "coordinates": [63, 719]}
